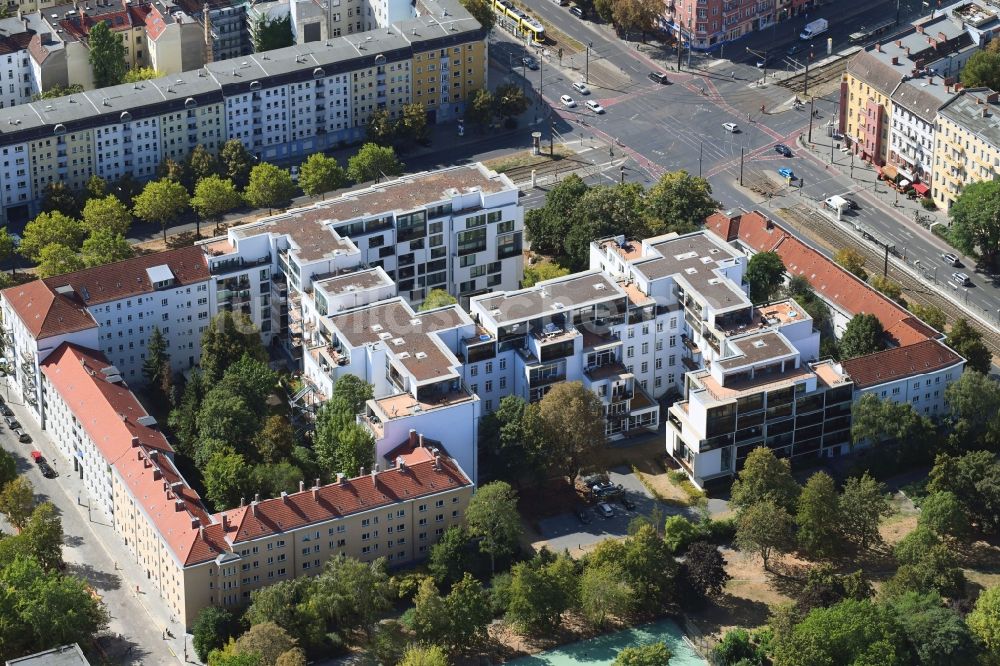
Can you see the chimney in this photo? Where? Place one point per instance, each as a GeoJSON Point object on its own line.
{"type": "Point", "coordinates": [316, 483]}
{"type": "Point", "coordinates": [895, 60]}
{"type": "Point", "coordinates": [135, 442]}
{"type": "Point", "coordinates": [899, 43]}
{"type": "Point", "coordinates": [256, 498]}
{"type": "Point", "coordinates": [201, 530]}
{"type": "Point", "coordinates": [986, 111]}
{"type": "Point", "coordinates": [302, 486]}
{"type": "Point", "coordinates": [225, 523]}
{"type": "Point", "coordinates": [878, 47]}
{"type": "Point", "coordinates": [284, 497]}
{"type": "Point", "coordinates": [907, 51]}
{"type": "Point", "coordinates": [196, 523]}
{"type": "Point", "coordinates": [315, 490]}
{"type": "Point", "coordinates": [942, 37]}
{"type": "Point", "coordinates": [920, 29]}
{"type": "Point", "coordinates": [178, 505]}
{"type": "Point", "coordinates": [413, 437]}
{"type": "Point", "coordinates": [243, 502]}
{"type": "Point", "coordinates": [361, 472]}
{"type": "Point", "coordinates": [421, 440]}
{"type": "Point", "coordinates": [437, 462]}
{"type": "Point", "coordinates": [205, 17]}
{"type": "Point", "coordinates": [401, 464]}
{"type": "Point", "coordinates": [157, 474]}
{"type": "Point", "coordinates": [993, 98]}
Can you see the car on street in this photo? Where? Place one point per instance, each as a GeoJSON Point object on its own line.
{"type": "Point", "coordinates": [583, 516]}
{"type": "Point", "coordinates": [732, 128]}
{"type": "Point", "coordinates": [11, 422]}
{"type": "Point", "coordinates": [594, 106]}
{"type": "Point", "coordinates": [47, 470]}
{"type": "Point", "coordinates": [785, 172]}
{"type": "Point", "coordinates": [22, 436]}
{"type": "Point", "coordinates": [568, 101]}
{"type": "Point", "coordinates": [605, 510]}
{"type": "Point", "coordinates": [581, 87]}
{"type": "Point", "coordinates": [658, 77]}
{"type": "Point", "coordinates": [6, 411]}
{"type": "Point", "coordinates": [962, 279]}
{"type": "Point", "coordinates": [782, 149]}
{"type": "Point", "coordinates": [628, 504]}
{"type": "Point", "coordinates": [851, 203]}
{"type": "Point", "coordinates": [530, 63]}
{"type": "Point", "coordinates": [576, 11]}
{"type": "Point", "coordinates": [793, 49]}
{"type": "Point", "coordinates": [951, 259]}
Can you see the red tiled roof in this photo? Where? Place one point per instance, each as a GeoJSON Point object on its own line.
{"type": "Point", "coordinates": [119, 20]}
{"type": "Point", "coordinates": [897, 363]}
{"type": "Point", "coordinates": [827, 278]}
{"type": "Point", "coordinates": [47, 313]}
{"type": "Point", "coordinates": [341, 499]}
{"type": "Point", "coordinates": [126, 278]}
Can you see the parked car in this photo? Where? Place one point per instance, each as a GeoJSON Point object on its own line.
{"type": "Point", "coordinates": [530, 63]}
{"type": "Point", "coordinates": [606, 489]}
{"type": "Point", "coordinates": [6, 411]}
{"type": "Point", "coordinates": [605, 510]}
{"type": "Point", "coordinates": [951, 259]}
{"type": "Point", "coordinates": [594, 106]}
{"type": "Point", "coordinates": [793, 49]}
{"type": "Point", "coordinates": [962, 279]}
{"type": "Point", "coordinates": [782, 149]}
{"type": "Point", "coordinates": [628, 504]}
{"type": "Point", "coordinates": [22, 436]}
{"type": "Point", "coordinates": [47, 470]}
{"type": "Point", "coordinates": [732, 128]}
{"type": "Point", "coordinates": [581, 87]}
{"type": "Point", "coordinates": [11, 422]}
{"type": "Point", "coordinates": [658, 77]}
{"type": "Point", "coordinates": [785, 172]}
{"type": "Point", "coordinates": [568, 101]}
{"type": "Point", "coordinates": [576, 11]}
{"type": "Point", "coordinates": [583, 516]}
{"type": "Point", "coordinates": [851, 203]}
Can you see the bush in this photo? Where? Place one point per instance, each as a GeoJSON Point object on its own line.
{"type": "Point", "coordinates": [941, 230]}
{"type": "Point", "coordinates": [718, 532]}
{"type": "Point", "coordinates": [928, 203]}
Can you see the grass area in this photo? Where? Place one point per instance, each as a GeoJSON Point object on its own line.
{"type": "Point", "coordinates": [525, 159]}
{"type": "Point", "coordinates": [680, 478]}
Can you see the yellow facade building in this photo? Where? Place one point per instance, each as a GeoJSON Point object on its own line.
{"type": "Point", "coordinates": [966, 143]}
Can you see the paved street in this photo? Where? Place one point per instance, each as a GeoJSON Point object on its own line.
{"type": "Point", "coordinates": [95, 552]}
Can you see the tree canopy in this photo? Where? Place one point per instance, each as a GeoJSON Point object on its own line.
{"type": "Point", "coordinates": [161, 201]}
{"type": "Point", "coordinates": [106, 213]}
{"type": "Point", "coordinates": [215, 196]}
{"type": "Point", "coordinates": [492, 516]}
{"type": "Point", "coordinates": [983, 68]}
{"type": "Point", "coordinates": [968, 342]}
{"type": "Point", "coordinates": [862, 336]}
{"type": "Point", "coordinates": [679, 202]}
{"type": "Point", "coordinates": [765, 477]}
{"type": "Point", "coordinates": [437, 298]}
{"type": "Point", "coordinates": [975, 218]}
{"type": "Point", "coordinates": [107, 55]}
{"type": "Point", "coordinates": [49, 229]}
{"type": "Point", "coordinates": [765, 273]}
{"type": "Point", "coordinates": [320, 174]}
{"type": "Point", "coordinates": [269, 187]}
{"type": "Point", "coordinates": [572, 424]}
{"type": "Point", "coordinates": [373, 162]}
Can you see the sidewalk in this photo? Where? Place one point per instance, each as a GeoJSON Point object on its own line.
{"type": "Point", "coordinates": [96, 552]}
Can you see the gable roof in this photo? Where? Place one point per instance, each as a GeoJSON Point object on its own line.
{"type": "Point", "coordinates": [47, 313]}
{"type": "Point", "coordinates": [894, 364]}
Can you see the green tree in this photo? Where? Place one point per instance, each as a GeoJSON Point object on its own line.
{"type": "Point", "coordinates": [105, 247]}
{"type": "Point", "coordinates": [602, 211]}
{"type": "Point", "coordinates": [541, 271]}
{"type": "Point", "coordinates": [889, 288]}
{"type": "Point", "coordinates": [57, 197]}
{"type": "Point", "coordinates": [764, 528]}
{"type": "Point", "coordinates": [851, 632]}
{"type": "Point", "coordinates": [765, 477]}
{"type": "Point", "coordinates": [984, 621]}
{"type": "Point", "coordinates": [944, 514]}
{"type": "Point", "coordinates": [57, 91]}
{"type": "Point", "coordinates": [48, 229]}
{"type": "Point", "coordinates": [510, 102]}
{"type": "Point", "coordinates": [974, 404]}
{"type": "Point", "coordinates": [381, 129]}
{"type": "Point", "coordinates": [275, 440]}
{"type": "Point", "coordinates": [863, 504]}
{"type": "Point", "coordinates": [291, 605]}
{"type": "Point", "coordinates": [8, 468]}
{"type": "Point", "coordinates": [97, 188]}
{"type": "Point", "coordinates": [852, 260]}
{"type": "Point", "coordinates": [824, 588]}
{"type": "Point", "coordinates": [649, 566]}
{"type": "Point", "coordinates": [236, 162]}
{"type": "Point", "coordinates": [974, 478]}
{"type": "Point", "coordinates": [226, 478]}
{"type": "Point", "coordinates": [604, 594]}
{"type": "Point", "coordinates": [269, 187]}
{"type": "Point", "coordinates": [931, 315]}
{"type": "Point", "coordinates": [862, 336]}
{"type": "Point", "coordinates": [818, 516]}
{"type": "Point", "coordinates": [413, 123]}
{"type": "Point", "coordinates": [482, 11]}
{"type": "Point", "coordinates": [56, 259]}
{"type": "Point", "coordinates": [418, 655]}
{"type": "Point", "coordinates": [201, 164]}
{"type": "Point", "coordinates": [212, 628]}
{"type": "Point", "coordinates": [453, 556]}
{"type": "Point", "coordinates": [437, 298]}
{"type": "Point", "coordinates": [389, 642]}
{"type": "Point", "coordinates": [652, 654]}
{"type": "Point", "coordinates": [429, 621]}
{"type": "Point", "coordinates": [6, 244]}
{"type": "Point", "coordinates": [572, 425]}
{"type": "Point", "coordinates": [510, 442]}
{"type": "Point", "coordinates": [468, 611]}
{"type": "Point", "coordinates": [171, 169]}
{"type": "Point", "coordinates": [320, 174]}
{"type": "Point", "coordinates": [107, 55]}
{"type": "Point", "coordinates": [679, 202]}
{"type": "Point", "coordinates": [272, 479]}
{"type": "Point", "coordinates": [273, 33]}
{"type": "Point", "coordinates": [548, 226]}
{"type": "Point", "coordinates": [737, 649]}
{"type": "Point", "coordinates": [975, 220]}
{"type": "Point", "coordinates": [267, 640]}
{"type": "Point", "coordinates": [354, 594]}
{"type": "Point", "coordinates": [106, 213]}
{"type": "Point", "coordinates": [142, 74]}
{"type": "Point", "coordinates": [968, 342]}
{"type": "Point", "coordinates": [373, 162]}
{"type": "Point", "coordinates": [539, 594]}
{"type": "Point", "coordinates": [157, 362]}
{"type": "Point", "coordinates": [765, 273]}
{"type": "Point", "coordinates": [161, 202]}
{"type": "Point", "coordinates": [679, 533]}
{"type": "Point", "coordinates": [492, 516]}
{"type": "Point", "coordinates": [183, 419]}
{"type": "Point", "coordinates": [934, 570]}
{"type": "Point", "coordinates": [352, 393]}
{"type": "Point", "coordinates": [226, 339]}
{"type": "Point", "coordinates": [228, 417]}
{"type": "Point", "coordinates": [43, 534]}
{"type": "Point", "coordinates": [605, 10]}
{"type": "Point", "coordinates": [213, 198]}
{"type": "Point", "coordinates": [704, 569]}
{"type": "Point", "coordinates": [982, 70]}
{"type": "Point", "coordinates": [936, 634]}
{"type": "Point", "coordinates": [875, 420]}
{"type": "Point", "coordinates": [480, 108]}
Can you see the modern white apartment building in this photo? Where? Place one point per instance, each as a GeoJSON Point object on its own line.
{"type": "Point", "coordinates": [283, 104]}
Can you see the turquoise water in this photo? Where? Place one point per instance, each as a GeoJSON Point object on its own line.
{"type": "Point", "coordinates": [601, 651]}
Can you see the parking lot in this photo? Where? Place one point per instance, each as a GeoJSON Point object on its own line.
{"type": "Point", "coordinates": [567, 531]}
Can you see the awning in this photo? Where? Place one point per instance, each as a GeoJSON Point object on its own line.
{"type": "Point", "coordinates": [921, 189]}
{"type": "Point", "coordinates": [903, 184]}
{"type": "Point", "coordinates": [889, 171]}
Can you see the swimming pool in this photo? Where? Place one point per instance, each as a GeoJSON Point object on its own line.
{"type": "Point", "coordinates": [602, 650]}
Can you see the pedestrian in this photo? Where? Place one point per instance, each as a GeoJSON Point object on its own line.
{"type": "Point", "coordinates": [734, 76]}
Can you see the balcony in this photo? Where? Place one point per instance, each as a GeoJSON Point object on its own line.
{"type": "Point", "coordinates": [236, 264]}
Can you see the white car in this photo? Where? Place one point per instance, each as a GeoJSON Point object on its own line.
{"type": "Point", "coordinates": [568, 101]}
{"type": "Point", "coordinates": [732, 128]}
{"type": "Point", "coordinates": [594, 106]}
{"type": "Point", "coordinates": [581, 88]}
